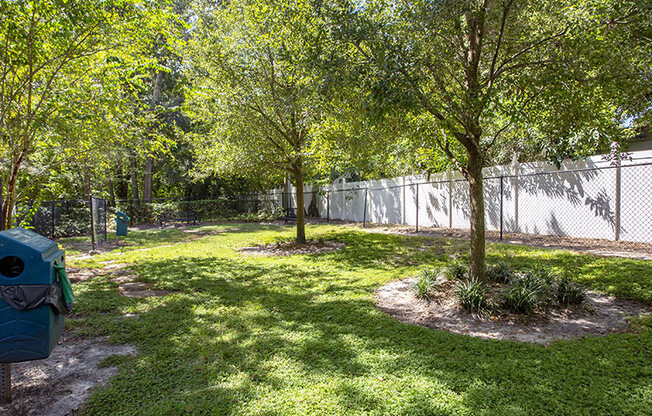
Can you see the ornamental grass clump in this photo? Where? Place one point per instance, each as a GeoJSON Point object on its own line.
{"type": "Point", "coordinates": [456, 271]}
{"type": "Point", "coordinates": [471, 294]}
{"type": "Point", "coordinates": [569, 293]}
{"type": "Point", "coordinates": [500, 273]}
{"type": "Point", "coordinates": [425, 283]}
{"type": "Point", "coordinates": [527, 292]}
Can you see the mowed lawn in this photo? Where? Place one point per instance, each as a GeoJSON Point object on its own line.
{"type": "Point", "coordinates": [301, 335]}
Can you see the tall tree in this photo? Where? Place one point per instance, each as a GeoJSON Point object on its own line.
{"type": "Point", "coordinates": [58, 61]}
{"type": "Point", "coordinates": [258, 71]}
{"type": "Point", "coordinates": [481, 75]}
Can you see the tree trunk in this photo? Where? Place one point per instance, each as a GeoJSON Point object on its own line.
{"type": "Point", "coordinates": [147, 184]}
{"type": "Point", "coordinates": [313, 209]}
{"type": "Point", "coordinates": [301, 217]}
{"type": "Point", "coordinates": [134, 177]}
{"type": "Point", "coordinates": [123, 186]}
{"type": "Point", "coordinates": [149, 160]}
{"type": "Point", "coordinates": [111, 187]}
{"type": "Point", "coordinates": [87, 182]}
{"type": "Point", "coordinates": [8, 208]}
{"type": "Point", "coordinates": [476, 192]}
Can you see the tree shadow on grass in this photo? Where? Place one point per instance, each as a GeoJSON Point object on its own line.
{"type": "Point", "coordinates": [277, 338]}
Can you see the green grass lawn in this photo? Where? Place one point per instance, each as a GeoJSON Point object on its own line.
{"type": "Point", "coordinates": [300, 335]}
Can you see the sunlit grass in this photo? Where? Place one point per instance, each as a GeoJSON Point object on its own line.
{"type": "Point", "coordinates": [301, 334]}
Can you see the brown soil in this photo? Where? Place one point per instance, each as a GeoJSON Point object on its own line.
{"type": "Point", "coordinates": [60, 384]}
{"type": "Point", "coordinates": [597, 247]}
{"type": "Point", "coordinates": [601, 315]}
{"type": "Point", "coordinates": [289, 248]}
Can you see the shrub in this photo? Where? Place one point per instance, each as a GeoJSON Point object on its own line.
{"type": "Point", "coordinates": [471, 295]}
{"type": "Point", "coordinates": [500, 273]}
{"type": "Point", "coordinates": [456, 271]}
{"type": "Point", "coordinates": [527, 292]}
{"type": "Point", "coordinates": [544, 274]}
{"type": "Point", "coordinates": [520, 299]}
{"type": "Point", "coordinates": [425, 283]}
{"type": "Point", "coordinates": [569, 293]}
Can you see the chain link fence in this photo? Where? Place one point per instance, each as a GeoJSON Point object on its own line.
{"type": "Point", "coordinates": [96, 217]}
{"type": "Point", "coordinates": [606, 202]}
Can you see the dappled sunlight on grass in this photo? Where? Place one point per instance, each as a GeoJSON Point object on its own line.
{"type": "Point", "coordinates": [301, 335]}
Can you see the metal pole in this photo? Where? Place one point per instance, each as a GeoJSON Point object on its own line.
{"type": "Point", "coordinates": [5, 383]}
{"type": "Point", "coordinates": [501, 207]}
{"type": "Point", "coordinates": [617, 202]}
{"type": "Point", "coordinates": [105, 208]}
{"type": "Point", "coordinates": [93, 243]}
{"type": "Point", "coordinates": [328, 206]}
{"type": "Point", "coordinates": [450, 198]}
{"type": "Point", "coordinates": [364, 214]}
{"type": "Point", "coordinates": [417, 204]}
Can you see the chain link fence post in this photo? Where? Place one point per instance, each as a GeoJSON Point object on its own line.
{"type": "Point", "coordinates": [617, 203]}
{"type": "Point", "coordinates": [364, 212]}
{"type": "Point", "coordinates": [417, 209]}
{"type": "Point", "coordinates": [328, 205]}
{"type": "Point", "coordinates": [501, 206]}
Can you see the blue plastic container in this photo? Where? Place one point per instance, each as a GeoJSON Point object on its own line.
{"type": "Point", "coordinates": [121, 222]}
{"type": "Point", "coordinates": [27, 258]}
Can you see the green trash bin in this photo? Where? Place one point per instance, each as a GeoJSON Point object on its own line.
{"type": "Point", "coordinates": [33, 290]}
{"type": "Point", "coordinates": [121, 222]}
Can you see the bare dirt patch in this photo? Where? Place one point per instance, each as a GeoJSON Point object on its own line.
{"type": "Point", "coordinates": [61, 384]}
{"type": "Point", "coordinates": [601, 315]}
{"type": "Point", "coordinates": [598, 247]}
{"type": "Point", "coordinates": [140, 290]}
{"type": "Point", "coordinates": [290, 248]}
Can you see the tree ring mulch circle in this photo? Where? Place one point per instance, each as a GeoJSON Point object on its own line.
{"type": "Point", "coordinates": [291, 248]}
{"type": "Point", "coordinates": [601, 315]}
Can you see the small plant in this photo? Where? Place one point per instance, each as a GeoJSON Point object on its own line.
{"type": "Point", "coordinates": [544, 274]}
{"type": "Point", "coordinates": [456, 271]}
{"type": "Point", "coordinates": [500, 273]}
{"type": "Point", "coordinates": [425, 283]}
{"type": "Point", "coordinates": [471, 295]}
{"type": "Point", "coordinates": [527, 292]}
{"type": "Point", "coordinates": [569, 293]}
{"type": "Point", "coordinates": [520, 299]}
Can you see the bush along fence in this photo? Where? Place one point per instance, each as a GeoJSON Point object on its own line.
{"type": "Point", "coordinates": [66, 218]}
{"type": "Point", "coordinates": [588, 198]}
{"type": "Point", "coordinates": [246, 207]}
{"type": "Point", "coordinates": [96, 217]}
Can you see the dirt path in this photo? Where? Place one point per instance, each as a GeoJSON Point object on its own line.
{"type": "Point", "coordinates": [61, 384]}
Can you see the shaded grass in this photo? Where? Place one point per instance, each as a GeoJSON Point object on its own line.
{"type": "Point", "coordinates": [301, 335]}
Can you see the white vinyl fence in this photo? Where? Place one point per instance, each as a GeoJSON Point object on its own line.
{"type": "Point", "coordinates": [587, 198]}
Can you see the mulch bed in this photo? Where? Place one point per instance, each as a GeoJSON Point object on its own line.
{"type": "Point", "coordinates": [600, 315]}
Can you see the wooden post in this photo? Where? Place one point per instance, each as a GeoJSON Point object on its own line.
{"type": "Point", "coordinates": [5, 383]}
